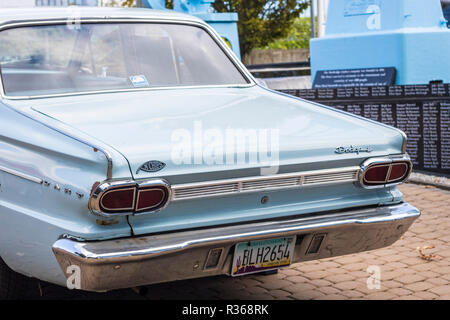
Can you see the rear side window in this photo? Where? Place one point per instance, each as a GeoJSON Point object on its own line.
{"type": "Point", "coordinates": [56, 59]}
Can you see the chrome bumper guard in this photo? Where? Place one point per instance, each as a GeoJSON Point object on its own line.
{"type": "Point", "coordinates": [130, 262]}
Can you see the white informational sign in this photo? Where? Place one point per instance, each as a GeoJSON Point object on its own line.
{"type": "Point", "coordinates": [359, 7]}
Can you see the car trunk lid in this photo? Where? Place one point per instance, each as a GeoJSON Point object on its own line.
{"type": "Point", "coordinates": [149, 125]}
{"type": "Point", "coordinates": [196, 132]}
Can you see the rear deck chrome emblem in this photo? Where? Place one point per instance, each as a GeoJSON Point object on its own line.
{"type": "Point", "coordinates": [151, 166]}
{"type": "Point", "coordinates": [352, 149]}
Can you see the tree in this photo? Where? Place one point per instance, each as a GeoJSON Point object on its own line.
{"type": "Point", "coordinates": [298, 36]}
{"type": "Point", "coordinates": [262, 21]}
{"type": "Point", "coordinates": [128, 3]}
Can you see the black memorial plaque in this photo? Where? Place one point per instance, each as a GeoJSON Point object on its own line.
{"type": "Point", "coordinates": [421, 111]}
{"type": "Point", "coordinates": [349, 78]}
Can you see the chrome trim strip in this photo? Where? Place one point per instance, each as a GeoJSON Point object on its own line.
{"type": "Point", "coordinates": [405, 139]}
{"type": "Point", "coordinates": [21, 175]}
{"type": "Point", "coordinates": [124, 90]}
{"type": "Point", "coordinates": [214, 35]}
{"type": "Point", "coordinates": [106, 153]}
{"type": "Point", "coordinates": [263, 183]}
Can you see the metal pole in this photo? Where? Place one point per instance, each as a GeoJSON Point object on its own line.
{"type": "Point", "coordinates": [300, 28]}
{"type": "Point", "coordinates": [313, 29]}
{"type": "Point", "coordinates": [294, 37]}
{"type": "Point", "coordinates": [320, 18]}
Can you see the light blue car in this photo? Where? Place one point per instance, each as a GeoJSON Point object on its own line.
{"type": "Point", "coordinates": [136, 149]}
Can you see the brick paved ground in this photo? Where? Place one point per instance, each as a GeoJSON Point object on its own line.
{"type": "Point", "coordinates": [404, 274]}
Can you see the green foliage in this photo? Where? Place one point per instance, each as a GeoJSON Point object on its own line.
{"type": "Point", "coordinates": [262, 21]}
{"type": "Point", "coordinates": [298, 36]}
{"type": "Point", "coordinates": [169, 4]}
{"type": "Point", "coordinates": [118, 3]}
{"type": "Point", "coordinates": [128, 3]}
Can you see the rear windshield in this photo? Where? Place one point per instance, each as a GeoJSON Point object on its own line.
{"type": "Point", "coordinates": [58, 59]}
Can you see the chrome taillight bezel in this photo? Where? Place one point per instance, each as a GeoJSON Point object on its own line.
{"type": "Point", "coordinates": [153, 184]}
{"type": "Point", "coordinates": [385, 161]}
{"type": "Point", "coordinates": [100, 190]}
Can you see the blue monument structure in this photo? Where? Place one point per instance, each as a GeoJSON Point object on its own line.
{"type": "Point", "coordinates": [224, 23]}
{"type": "Point", "coordinates": [410, 35]}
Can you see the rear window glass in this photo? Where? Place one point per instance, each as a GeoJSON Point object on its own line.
{"type": "Point", "coordinates": [57, 59]}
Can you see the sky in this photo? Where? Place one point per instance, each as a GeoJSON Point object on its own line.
{"type": "Point", "coordinates": [30, 3]}
{"type": "Point", "coordinates": [16, 3]}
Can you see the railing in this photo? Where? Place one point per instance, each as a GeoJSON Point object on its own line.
{"type": "Point", "coordinates": [277, 70]}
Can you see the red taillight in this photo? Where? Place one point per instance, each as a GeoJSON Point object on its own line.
{"type": "Point", "coordinates": [378, 174]}
{"type": "Point", "coordinates": [150, 199]}
{"type": "Point", "coordinates": [118, 200]}
{"type": "Point", "coordinates": [129, 197]}
{"type": "Point", "coordinates": [398, 171]}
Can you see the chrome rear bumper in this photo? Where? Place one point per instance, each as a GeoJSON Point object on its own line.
{"type": "Point", "coordinates": [123, 263]}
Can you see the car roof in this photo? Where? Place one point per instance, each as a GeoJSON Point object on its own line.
{"type": "Point", "coordinates": [75, 12]}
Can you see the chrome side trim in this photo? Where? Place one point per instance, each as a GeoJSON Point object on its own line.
{"type": "Point", "coordinates": [106, 153]}
{"type": "Point", "coordinates": [125, 90]}
{"type": "Point", "coordinates": [21, 175]}
{"type": "Point", "coordinates": [219, 188]}
{"type": "Point", "coordinates": [214, 35]}
{"type": "Point", "coordinates": [405, 140]}
{"type": "Point", "coordinates": [124, 263]}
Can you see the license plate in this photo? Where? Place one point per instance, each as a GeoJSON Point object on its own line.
{"type": "Point", "coordinates": [262, 255]}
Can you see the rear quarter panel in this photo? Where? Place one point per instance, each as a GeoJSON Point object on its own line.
{"type": "Point", "coordinates": [34, 215]}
